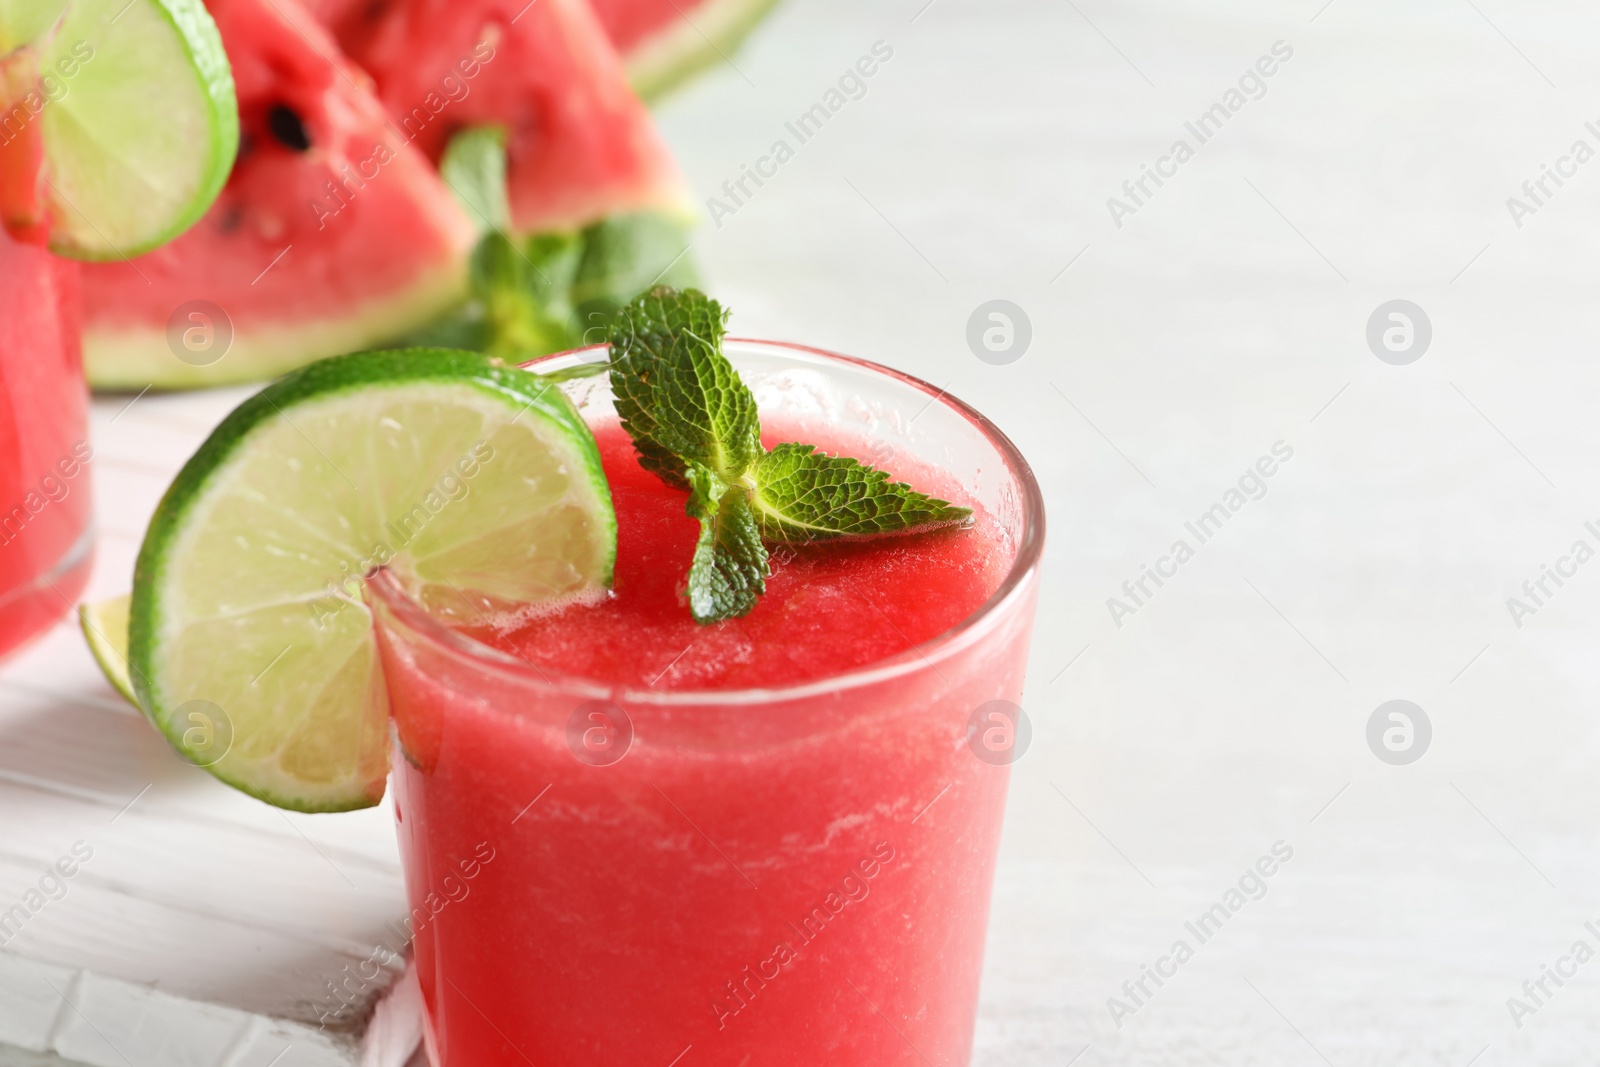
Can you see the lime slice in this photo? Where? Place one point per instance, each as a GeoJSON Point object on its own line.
{"type": "Point", "coordinates": [133, 105]}
{"type": "Point", "coordinates": [250, 643]}
{"type": "Point", "coordinates": [105, 628]}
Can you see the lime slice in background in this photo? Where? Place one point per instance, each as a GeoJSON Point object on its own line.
{"type": "Point", "coordinates": [249, 642]}
{"type": "Point", "coordinates": [134, 102]}
{"type": "Point", "coordinates": [105, 628]}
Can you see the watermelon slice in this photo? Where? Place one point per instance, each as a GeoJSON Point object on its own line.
{"type": "Point", "coordinates": [580, 146]}
{"type": "Point", "coordinates": [331, 234]}
{"type": "Point", "coordinates": [662, 42]}
{"type": "Point", "coordinates": [666, 41]}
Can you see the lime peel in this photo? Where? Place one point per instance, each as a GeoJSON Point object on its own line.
{"type": "Point", "coordinates": [133, 103]}
{"type": "Point", "coordinates": [477, 484]}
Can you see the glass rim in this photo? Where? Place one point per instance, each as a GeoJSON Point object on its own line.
{"type": "Point", "coordinates": [1015, 585]}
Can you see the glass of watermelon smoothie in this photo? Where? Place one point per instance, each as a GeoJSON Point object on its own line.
{"type": "Point", "coordinates": [631, 839]}
{"type": "Point", "coordinates": [90, 170]}
{"type": "Point", "coordinates": [45, 540]}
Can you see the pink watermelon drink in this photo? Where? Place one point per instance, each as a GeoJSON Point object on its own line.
{"type": "Point", "coordinates": [632, 839]}
{"type": "Point", "coordinates": [44, 451]}
{"type": "Point", "coordinates": [88, 170]}
{"type": "Point", "coordinates": [817, 618]}
{"type": "Point", "coordinates": [44, 494]}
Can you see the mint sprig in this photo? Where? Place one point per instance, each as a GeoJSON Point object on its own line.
{"type": "Point", "coordinates": [695, 425]}
{"type": "Point", "coordinates": [532, 294]}
{"type": "Point", "coordinates": [679, 397]}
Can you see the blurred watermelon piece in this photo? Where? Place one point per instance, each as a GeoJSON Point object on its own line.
{"type": "Point", "coordinates": [580, 146]}
{"type": "Point", "coordinates": [332, 234]}
{"type": "Point", "coordinates": [662, 42]}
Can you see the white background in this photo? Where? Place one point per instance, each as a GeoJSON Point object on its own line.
{"type": "Point", "coordinates": [1222, 317]}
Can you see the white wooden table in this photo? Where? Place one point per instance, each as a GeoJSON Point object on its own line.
{"type": "Point", "coordinates": [1229, 712]}
{"type": "Point", "coordinates": [204, 926]}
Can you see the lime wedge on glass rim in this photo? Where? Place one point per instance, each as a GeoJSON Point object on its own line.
{"type": "Point", "coordinates": [118, 121]}
{"type": "Point", "coordinates": [249, 642]}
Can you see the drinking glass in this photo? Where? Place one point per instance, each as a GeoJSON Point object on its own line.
{"type": "Point", "coordinates": [799, 875]}
{"type": "Point", "coordinates": [45, 537]}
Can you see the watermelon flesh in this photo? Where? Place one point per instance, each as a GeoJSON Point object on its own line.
{"type": "Point", "coordinates": [580, 146]}
{"type": "Point", "coordinates": [332, 234]}
{"type": "Point", "coordinates": [630, 23]}
{"type": "Point", "coordinates": [661, 42]}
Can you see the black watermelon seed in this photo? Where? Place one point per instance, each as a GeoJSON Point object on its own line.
{"type": "Point", "coordinates": [286, 126]}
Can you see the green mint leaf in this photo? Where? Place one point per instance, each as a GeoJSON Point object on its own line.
{"type": "Point", "coordinates": [548, 292]}
{"type": "Point", "coordinates": [623, 255]}
{"type": "Point", "coordinates": [729, 571]}
{"type": "Point", "coordinates": [520, 289]}
{"type": "Point", "coordinates": [519, 293]}
{"type": "Point", "coordinates": [676, 393]}
{"type": "Point", "coordinates": [474, 167]}
{"type": "Point", "coordinates": [805, 495]}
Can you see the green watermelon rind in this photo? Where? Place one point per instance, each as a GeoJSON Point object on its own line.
{"type": "Point", "coordinates": [194, 27]}
{"type": "Point", "coordinates": [137, 356]}
{"type": "Point", "coordinates": [671, 57]}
